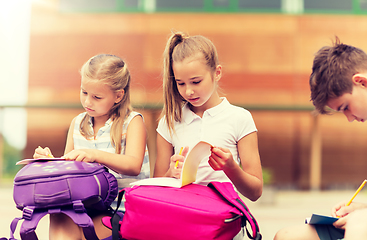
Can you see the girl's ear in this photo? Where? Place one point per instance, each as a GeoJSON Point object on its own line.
{"type": "Point", "coordinates": [119, 95]}
{"type": "Point", "coordinates": [218, 73]}
{"type": "Point", "coordinates": [360, 79]}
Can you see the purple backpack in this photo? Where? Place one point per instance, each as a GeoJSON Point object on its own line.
{"type": "Point", "coordinates": [67, 187]}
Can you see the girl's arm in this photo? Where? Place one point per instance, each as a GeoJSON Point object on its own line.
{"type": "Point", "coordinates": [248, 179]}
{"type": "Point", "coordinates": [164, 153]}
{"type": "Point", "coordinates": [129, 163]}
{"type": "Point", "coordinates": [167, 164]}
{"type": "Point", "coordinates": [69, 140]}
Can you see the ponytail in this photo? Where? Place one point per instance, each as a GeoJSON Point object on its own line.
{"type": "Point", "coordinates": [180, 46]}
{"type": "Point", "coordinates": [172, 99]}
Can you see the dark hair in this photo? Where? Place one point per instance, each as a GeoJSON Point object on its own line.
{"type": "Point", "coordinates": [332, 72]}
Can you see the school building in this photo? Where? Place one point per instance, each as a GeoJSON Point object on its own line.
{"type": "Point", "coordinates": [266, 52]}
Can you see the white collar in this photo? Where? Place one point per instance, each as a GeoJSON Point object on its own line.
{"type": "Point", "coordinates": [189, 116]}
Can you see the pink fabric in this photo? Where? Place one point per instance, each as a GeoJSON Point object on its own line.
{"type": "Point", "coordinates": [166, 213]}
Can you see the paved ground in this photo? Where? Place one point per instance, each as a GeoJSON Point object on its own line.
{"type": "Point", "coordinates": [287, 208]}
{"type": "Point", "coordinates": [292, 207]}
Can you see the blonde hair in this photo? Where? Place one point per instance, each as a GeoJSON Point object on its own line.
{"type": "Point", "coordinates": [113, 72]}
{"type": "Point", "coordinates": [180, 46]}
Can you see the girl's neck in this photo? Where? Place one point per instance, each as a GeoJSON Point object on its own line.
{"type": "Point", "coordinates": [99, 122]}
{"type": "Point", "coordinates": [212, 102]}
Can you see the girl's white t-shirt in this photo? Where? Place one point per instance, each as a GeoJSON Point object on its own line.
{"type": "Point", "coordinates": [221, 126]}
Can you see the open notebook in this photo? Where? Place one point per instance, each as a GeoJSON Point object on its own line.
{"type": "Point", "coordinates": [30, 160]}
{"type": "Point", "coordinates": [189, 169]}
{"type": "Point", "coordinates": [320, 219]}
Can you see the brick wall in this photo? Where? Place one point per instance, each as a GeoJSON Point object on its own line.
{"type": "Point", "coordinates": [266, 60]}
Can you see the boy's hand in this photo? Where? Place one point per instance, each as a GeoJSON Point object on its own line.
{"type": "Point", "coordinates": [342, 211]}
{"type": "Point", "coordinates": [42, 153]}
{"type": "Point", "coordinates": [221, 159]}
{"type": "Point", "coordinates": [176, 163]}
{"type": "Point", "coordinates": [341, 222]}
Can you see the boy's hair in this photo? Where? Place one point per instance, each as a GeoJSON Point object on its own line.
{"type": "Point", "coordinates": [332, 72]}
{"type": "Point", "coordinates": [112, 71]}
{"type": "Point", "coordinates": [180, 46]}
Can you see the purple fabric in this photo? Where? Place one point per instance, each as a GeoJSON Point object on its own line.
{"type": "Point", "coordinates": [68, 187]}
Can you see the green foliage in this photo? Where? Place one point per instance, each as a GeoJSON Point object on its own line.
{"type": "Point", "coordinates": [11, 155]}
{"type": "Point", "coordinates": [267, 176]}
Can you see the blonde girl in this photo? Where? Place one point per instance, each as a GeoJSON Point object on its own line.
{"type": "Point", "coordinates": [193, 112]}
{"type": "Point", "coordinates": [108, 132]}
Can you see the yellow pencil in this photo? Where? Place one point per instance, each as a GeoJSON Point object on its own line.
{"type": "Point", "coordinates": [358, 190]}
{"type": "Point", "coordinates": [177, 160]}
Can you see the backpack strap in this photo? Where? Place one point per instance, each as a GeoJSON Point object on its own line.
{"type": "Point", "coordinates": [27, 216]}
{"type": "Point", "coordinates": [114, 222]}
{"type": "Point", "coordinates": [27, 230]}
{"type": "Point", "coordinates": [117, 218]}
{"type": "Point", "coordinates": [32, 218]}
{"type": "Point", "coordinates": [84, 221]}
{"type": "Point", "coordinates": [13, 226]}
{"type": "Point", "coordinates": [226, 190]}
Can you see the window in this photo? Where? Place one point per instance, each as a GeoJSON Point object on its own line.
{"type": "Point", "coordinates": [259, 4]}
{"type": "Point", "coordinates": [179, 5]}
{"type": "Point", "coordinates": [328, 5]}
{"type": "Point", "coordinates": [278, 6]}
{"type": "Point", "coordinates": [88, 5]}
{"type": "Point", "coordinates": [221, 3]}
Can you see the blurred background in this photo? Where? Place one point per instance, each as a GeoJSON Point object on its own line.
{"type": "Point", "coordinates": [266, 48]}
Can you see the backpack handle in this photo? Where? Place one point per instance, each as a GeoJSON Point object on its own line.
{"type": "Point", "coordinates": [226, 190]}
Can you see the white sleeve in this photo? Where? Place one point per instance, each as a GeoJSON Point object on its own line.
{"type": "Point", "coordinates": [163, 130]}
{"type": "Point", "coordinates": [245, 124]}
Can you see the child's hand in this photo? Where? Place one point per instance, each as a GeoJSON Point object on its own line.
{"type": "Point", "coordinates": [176, 163]}
{"type": "Point", "coordinates": [81, 155]}
{"type": "Point", "coordinates": [342, 211]}
{"type": "Point", "coordinates": [221, 159]}
{"type": "Point", "coordinates": [42, 153]}
{"type": "Point", "coordinates": [336, 208]}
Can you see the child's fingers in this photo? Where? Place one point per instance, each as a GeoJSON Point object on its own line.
{"type": "Point", "coordinates": [177, 161]}
{"type": "Point", "coordinates": [336, 208]}
{"type": "Point", "coordinates": [39, 150]}
{"type": "Point", "coordinates": [214, 164]}
{"type": "Point", "coordinates": [49, 154]}
{"type": "Point", "coordinates": [67, 157]}
{"type": "Point", "coordinates": [177, 164]}
{"type": "Point", "coordinates": [340, 223]}
{"type": "Point", "coordinates": [343, 211]}
{"type": "Point", "coordinates": [176, 157]}
{"type": "Point", "coordinates": [211, 163]}
{"type": "Point", "coordinates": [220, 150]}
{"type": "Point", "coordinates": [42, 152]}
{"type": "Point", "coordinates": [176, 174]}
{"type": "Point", "coordinates": [185, 151]}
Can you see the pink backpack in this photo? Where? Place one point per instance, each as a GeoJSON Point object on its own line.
{"type": "Point", "coordinates": [67, 187]}
{"type": "Point", "coordinates": [191, 212]}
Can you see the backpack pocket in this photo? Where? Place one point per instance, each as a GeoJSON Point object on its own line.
{"type": "Point", "coordinates": [52, 192]}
